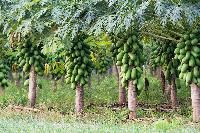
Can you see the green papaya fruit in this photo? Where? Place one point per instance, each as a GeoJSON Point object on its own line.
{"type": "Point", "coordinates": [125, 68]}
{"type": "Point", "coordinates": [181, 45]}
{"type": "Point", "coordinates": [196, 49]}
{"type": "Point", "coordinates": [197, 61]}
{"type": "Point", "coordinates": [129, 41]}
{"type": "Point", "coordinates": [194, 41]}
{"type": "Point", "coordinates": [26, 82]}
{"type": "Point", "coordinates": [73, 85]}
{"type": "Point", "coordinates": [184, 68]}
{"type": "Point", "coordinates": [125, 59]}
{"type": "Point", "coordinates": [120, 56]}
{"type": "Point", "coordinates": [119, 63]}
{"type": "Point", "coordinates": [192, 61]}
{"type": "Point", "coordinates": [75, 71]}
{"type": "Point", "coordinates": [196, 72]}
{"type": "Point", "coordinates": [187, 43]}
{"type": "Point", "coordinates": [126, 47]}
{"type": "Point", "coordinates": [140, 84]}
{"type": "Point", "coordinates": [82, 81]}
{"type": "Point", "coordinates": [80, 71]}
{"type": "Point", "coordinates": [72, 78]}
{"type": "Point", "coordinates": [2, 76]}
{"type": "Point", "coordinates": [192, 36]}
{"type": "Point", "coordinates": [31, 61]}
{"type": "Point", "coordinates": [189, 77]}
{"type": "Point", "coordinates": [132, 56]}
{"type": "Point", "coordinates": [119, 43]}
{"type": "Point", "coordinates": [186, 37]}
{"type": "Point", "coordinates": [77, 78]}
{"type": "Point", "coordinates": [128, 74]}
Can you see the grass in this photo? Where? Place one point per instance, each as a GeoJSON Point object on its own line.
{"type": "Point", "coordinates": [100, 114]}
{"type": "Point", "coordinates": [36, 123]}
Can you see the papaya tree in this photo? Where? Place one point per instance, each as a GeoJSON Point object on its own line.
{"type": "Point", "coordinates": [131, 60]}
{"type": "Point", "coordinates": [100, 53]}
{"type": "Point", "coordinates": [114, 50]}
{"type": "Point", "coordinates": [16, 72]}
{"type": "Point", "coordinates": [3, 76]}
{"type": "Point", "coordinates": [55, 67]}
{"type": "Point", "coordinates": [188, 52]}
{"type": "Point", "coordinates": [27, 34]}
{"type": "Point", "coordinates": [31, 60]}
{"type": "Point", "coordinates": [74, 27]}
{"type": "Point", "coordinates": [79, 67]}
{"type": "Point", "coordinates": [163, 55]}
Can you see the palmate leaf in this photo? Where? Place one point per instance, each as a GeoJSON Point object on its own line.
{"type": "Point", "coordinates": [174, 13]}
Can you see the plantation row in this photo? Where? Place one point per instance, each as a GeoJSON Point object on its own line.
{"type": "Point", "coordinates": [178, 61]}
{"type": "Point", "coordinates": [69, 40]}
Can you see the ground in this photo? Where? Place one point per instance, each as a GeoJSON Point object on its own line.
{"type": "Point", "coordinates": [55, 110]}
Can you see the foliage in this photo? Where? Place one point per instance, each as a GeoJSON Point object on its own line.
{"type": "Point", "coordinates": [100, 114]}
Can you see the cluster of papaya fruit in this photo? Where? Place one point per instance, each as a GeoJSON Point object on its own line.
{"type": "Point", "coordinates": [4, 75]}
{"type": "Point", "coordinates": [29, 55]}
{"type": "Point", "coordinates": [130, 58]}
{"type": "Point", "coordinates": [163, 55]}
{"type": "Point", "coordinates": [56, 65]}
{"type": "Point", "coordinates": [105, 63]}
{"type": "Point", "coordinates": [78, 63]}
{"type": "Point", "coordinates": [57, 70]}
{"type": "Point", "coordinates": [26, 78]}
{"type": "Point", "coordinates": [188, 52]}
{"type": "Point", "coordinates": [114, 48]}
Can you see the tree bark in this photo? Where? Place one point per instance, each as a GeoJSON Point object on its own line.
{"type": "Point", "coordinates": [10, 75]}
{"type": "Point", "coordinates": [132, 100]}
{"type": "Point", "coordinates": [122, 90]}
{"type": "Point", "coordinates": [195, 96]}
{"type": "Point", "coordinates": [32, 87]}
{"type": "Point", "coordinates": [16, 77]}
{"type": "Point", "coordinates": [1, 90]}
{"type": "Point", "coordinates": [79, 101]}
{"type": "Point", "coordinates": [23, 76]}
{"type": "Point", "coordinates": [113, 69]}
{"type": "Point", "coordinates": [173, 94]}
{"type": "Point", "coordinates": [89, 82]}
{"type": "Point", "coordinates": [98, 78]}
{"type": "Point", "coordinates": [163, 82]}
{"type": "Point", "coordinates": [110, 71]}
{"type": "Point", "coordinates": [89, 88]}
{"type": "Point", "coordinates": [54, 85]}
{"type": "Point", "coordinates": [62, 80]}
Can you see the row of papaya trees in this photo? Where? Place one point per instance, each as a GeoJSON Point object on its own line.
{"type": "Point", "coordinates": [76, 63]}
{"type": "Point", "coordinates": [33, 28]}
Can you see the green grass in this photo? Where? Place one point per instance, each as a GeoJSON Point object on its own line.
{"type": "Point", "coordinates": [32, 123]}
{"type": "Point", "coordinates": [58, 110]}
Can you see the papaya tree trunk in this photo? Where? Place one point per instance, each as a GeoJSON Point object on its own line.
{"type": "Point", "coordinates": [110, 71]}
{"type": "Point", "coordinates": [163, 82]}
{"type": "Point", "coordinates": [62, 80]}
{"type": "Point", "coordinates": [89, 82]}
{"type": "Point", "coordinates": [10, 76]}
{"type": "Point", "coordinates": [54, 85]}
{"type": "Point", "coordinates": [32, 87]}
{"type": "Point", "coordinates": [17, 81]}
{"type": "Point", "coordinates": [79, 101]}
{"type": "Point", "coordinates": [122, 90]}
{"type": "Point", "coordinates": [23, 76]}
{"type": "Point", "coordinates": [114, 69]}
{"type": "Point", "coordinates": [173, 94]}
{"type": "Point", "coordinates": [89, 88]}
{"type": "Point", "coordinates": [98, 78]}
{"type": "Point", "coordinates": [195, 96]}
{"type": "Point", "coordinates": [1, 90]}
{"type": "Point", "coordinates": [132, 100]}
